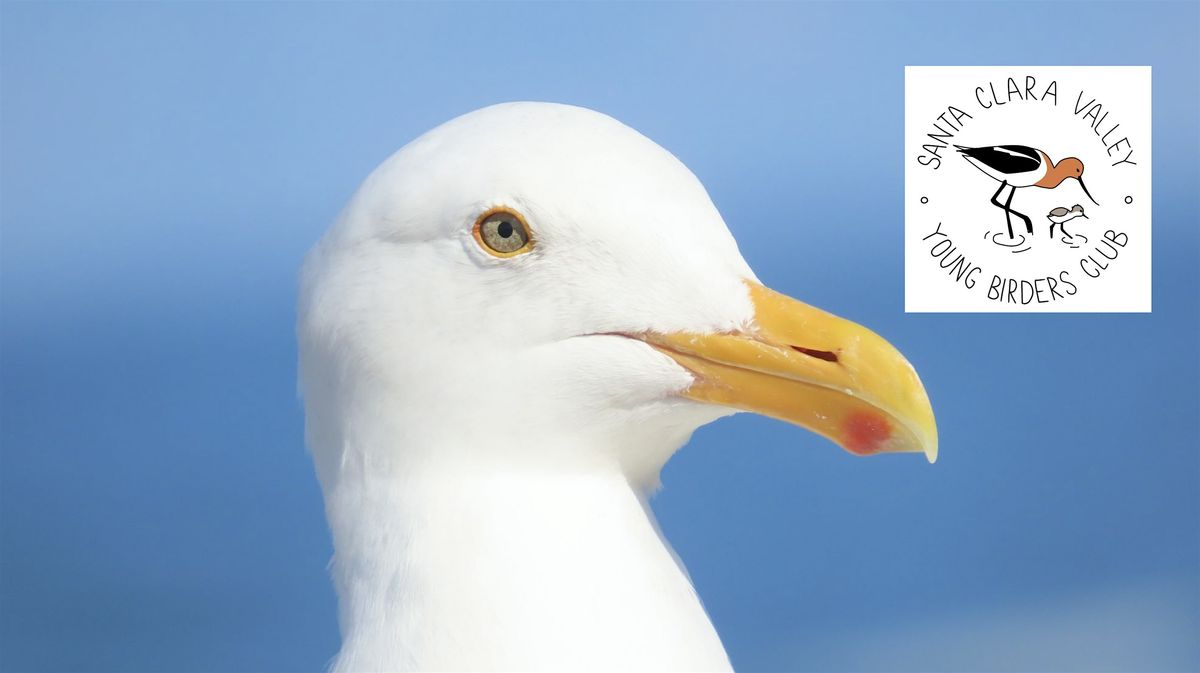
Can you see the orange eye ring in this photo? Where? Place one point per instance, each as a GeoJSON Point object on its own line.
{"type": "Point", "coordinates": [502, 232]}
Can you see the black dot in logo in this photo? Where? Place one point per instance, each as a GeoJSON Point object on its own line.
{"type": "Point", "coordinates": [1128, 200]}
{"type": "Point", "coordinates": [924, 199]}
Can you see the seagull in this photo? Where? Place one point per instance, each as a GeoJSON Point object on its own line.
{"type": "Point", "coordinates": [513, 324]}
{"type": "Point", "coordinates": [1017, 166]}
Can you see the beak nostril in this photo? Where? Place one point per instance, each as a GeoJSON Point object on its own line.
{"type": "Point", "coordinates": [828, 356]}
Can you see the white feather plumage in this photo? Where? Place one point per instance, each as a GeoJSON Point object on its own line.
{"type": "Point", "coordinates": [485, 445]}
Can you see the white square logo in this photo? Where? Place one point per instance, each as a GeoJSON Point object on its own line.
{"type": "Point", "coordinates": [1027, 189]}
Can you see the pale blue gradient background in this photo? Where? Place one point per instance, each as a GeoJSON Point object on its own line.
{"type": "Point", "coordinates": [165, 166]}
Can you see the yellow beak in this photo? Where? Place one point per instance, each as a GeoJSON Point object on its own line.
{"type": "Point", "coordinates": [805, 366]}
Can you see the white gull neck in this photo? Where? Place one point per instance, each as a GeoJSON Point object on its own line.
{"type": "Point", "coordinates": [444, 568]}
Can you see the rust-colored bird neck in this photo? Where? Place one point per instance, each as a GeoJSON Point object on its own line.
{"type": "Point", "coordinates": [1056, 173]}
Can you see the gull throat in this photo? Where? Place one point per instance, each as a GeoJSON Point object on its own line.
{"type": "Point", "coordinates": [448, 568]}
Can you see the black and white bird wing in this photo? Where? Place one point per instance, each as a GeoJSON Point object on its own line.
{"type": "Point", "coordinates": [1005, 159]}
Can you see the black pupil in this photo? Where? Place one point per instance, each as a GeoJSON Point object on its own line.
{"type": "Point", "coordinates": [505, 229]}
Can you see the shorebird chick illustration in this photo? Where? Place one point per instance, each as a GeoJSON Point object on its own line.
{"type": "Point", "coordinates": [1061, 216]}
{"type": "Point", "coordinates": [1020, 166]}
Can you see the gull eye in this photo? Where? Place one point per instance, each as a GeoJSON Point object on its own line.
{"type": "Point", "coordinates": [503, 232]}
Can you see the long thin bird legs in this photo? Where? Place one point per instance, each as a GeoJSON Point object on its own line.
{"type": "Point", "coordinates": [1008, 211]}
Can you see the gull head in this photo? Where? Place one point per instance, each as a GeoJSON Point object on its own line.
{"type": "Point", "coordinates": [539, 286]}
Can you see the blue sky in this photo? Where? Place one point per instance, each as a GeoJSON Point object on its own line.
{"type": "Point", "coordinates": [163, 168]}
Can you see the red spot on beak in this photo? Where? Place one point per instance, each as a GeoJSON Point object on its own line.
{"type": "Point", "coordinates": [866, 432]}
